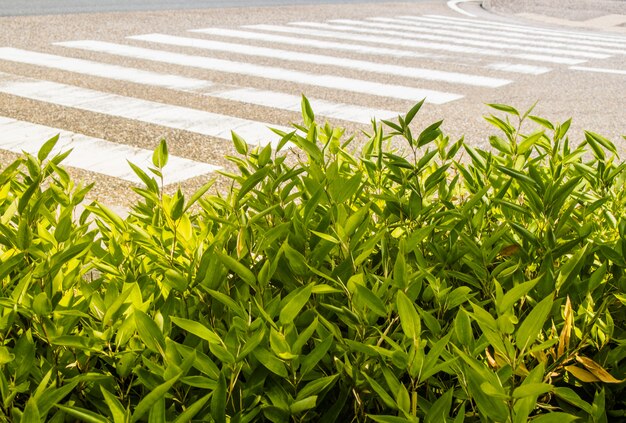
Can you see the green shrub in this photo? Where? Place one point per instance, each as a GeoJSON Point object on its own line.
{"type": "Point", "coordinates": [446, 284]}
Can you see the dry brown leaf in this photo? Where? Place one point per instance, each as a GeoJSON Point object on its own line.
{"type": "Point", "coordinates": [510, 250]}
{"type": "Point", "coordinates": [582, 374]}
{"type": "Point", "coordinates": [567, 329]}
{"type": "Point", "coordinates": [597, 370]}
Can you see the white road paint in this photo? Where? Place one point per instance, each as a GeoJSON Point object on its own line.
{"type": "Point", "coordinates": [104, 70]}
{"type": "Point", "coordinates": [329, 31]}
{"type": "Point", "coordinates": [95, 154]}
{"type": "Point", "coordinates": [367, 27]}
{"type": "Point", "coordinates": [453, 4]}
{"type": "Point", "coordinates": [319, 60]}
{"type": "Point", "coordinates": [253, 96]}
{"type": "Point", "coordinates": [308, 42]}
{"type": "Point", "coordinates": [518, 68]}
{"type": "Point", "coordinates": [523, 28]}
{"type": "Point", "coordinates": [268, 72]}
{"type": "Point", "coordinates": [599, 70]}
{"type": "Point", "coordinates": [276, 100]}
{"type": "Point", "coordinates": [184, 118]}
{"type": "Point", "coordinates": [430, 23]}
{"type": "Point", "coordinates": [390, 23]}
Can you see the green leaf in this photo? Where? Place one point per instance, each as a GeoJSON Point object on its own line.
{"type": "Point", "coordinates": [411, 114]}
{"type": "Point", "coordinates": [270, 362]}
{"type": "Point", "coordinates": [315, 387]}
{"type": "Point", "coordinates": [52, 396]}
{"type": "Point", "coordinates": [307, 112]}
{"type": "Point", "coordinates": [115, 406]}
{"type": "Point", "coordinates": [381, 392]}
{"type": "Point", "coordinates": [570, 396]}
{"type": "Point", "coordinates": [82, 414]}
{"type": "Point", "coordinates": [533, 323]}
{"type": "Point", "coordinates": [240, 144]}
{"type": "Point", "coordinates": [534, 389]}
{"type": "Point", "coordinates": [191, 411]}
{"type": "Point", "coordinates": [197, 329]}
{"type": "Point", "coordinates": [304, 404]}
{"type": "Point", "coordinates": [499, 144]}
{"type": "Point", "coordinates": [429, 134]}
{"type": "Point", "coordinates": [218, 401]}
{"type": "Point", "coordinates": [309, 361]}
{"type": "Point", "coordinates": [440, 410]}
{"type": "Point", "coordinates": [160, 155]}
{"type": "Point", "coordinates": [504, 108]}
{"type": "Point", "coordinates": [31, 412]}
{"type": "Point", "coordinates": [148, 181]}
{"type": "Point", "coordinates": [149, 332]}
{"type": "Point", "coordinates": [297, 301]}
{"type": "Point", "coordinates": [409, 318]}
{"type": "Point", "coordinates": [543, 122]}
{"type": "Point", "coordinates": [5, 355]}
{"type": "Point", "coordinates": [515, 294]}
{"type": "Point", "coordinates": [152, 397]}
{"type": "Point", "coordinates": [388, 419]}
{"type": "Point", "coordinates": [374, 303]}
{"type": "Point", "coordinates": [45, 149]}
{"type": "Point", "coordinates": [239, 269]}
{"type": "Point", "coordinates": [157, 412]}
{"type": "Point", "coordinates": [555, 417]}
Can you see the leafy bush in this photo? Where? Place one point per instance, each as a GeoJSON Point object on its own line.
{"type": "Point", "coordinates": [446, 284]}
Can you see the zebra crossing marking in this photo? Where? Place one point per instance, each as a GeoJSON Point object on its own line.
{"type": "Point", "coordinates": [307, 42]}
{"type": "Point", "coordinates": [248, 95]}
{"type": "Point", "coordinates": [518, 68]}
{"type": "Point", "coordinates": [269, 72]}
{"type": "Point", "coordinates": [388, 23]}
{"type": "Point", "coordinates": [177, 117]}
{"type": "Point", "coordinates": [357, 26]}
{"type": "Point", "coordinates": [519, 28]}
{"type": "Point", "coordinates": [599, 70]}
{"type": "Point", "coordinates": [95, 154]}
{"type": "Point", "coordinates": [429, 23]}
{"type": "Point", "coordinates": [328, 31]}
{"type": "Point", "coordinates": [318, 59]}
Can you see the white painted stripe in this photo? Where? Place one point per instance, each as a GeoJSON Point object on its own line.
{"type": "Point", "coordinates": [453, 4]}
{"type": "Point", "coordinates": [104, 70]}
{"type": "Point", "coordinates": [599, 70]}
{"type": "Point", "coordinates": [318, 59]}
{"type": "Point", "coordinates": [290, 102]}
{"type": "Point", "coordinates": [518, 68]}
{"type": "Point", "coordinates": [193, 120]}
{"type": "Point", "coordinates": [328, 31]}
{"type": "Point", "coordinates": [436, 24]}
{"type": "Point", "coordinates": [389, 23]}
{"type": "Point", "coordinates": [548, 30]}
{"type": "Point", "coordinates": [521, 28]}
{"type": "Point", "coordinates": [95, 154]}
{"type": "Point", "coordinates": [252, 95]}
{"type": "Point", "coordinates": [367, 27]}
{"type": "Point", "coordinates": [307, 42]}
{"type": "Point", "coordinates": [268, 72]}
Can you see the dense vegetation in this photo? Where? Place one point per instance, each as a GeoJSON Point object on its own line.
{"type": "Point", "coordinates": [446, 284]}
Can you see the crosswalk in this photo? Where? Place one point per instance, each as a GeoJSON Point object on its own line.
{"type": "Point", "coordinates": [352, 70]}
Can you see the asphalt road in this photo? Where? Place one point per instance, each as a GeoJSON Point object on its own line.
{"type": "Point", "coordinates": [114, 84]}
{"type": "Point", "coordinates": [54, 7]}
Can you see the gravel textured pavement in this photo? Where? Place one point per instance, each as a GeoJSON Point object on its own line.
{"type": "Point", "coordinates": [594, 100]}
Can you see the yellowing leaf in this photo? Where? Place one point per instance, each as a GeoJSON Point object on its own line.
{"type": "Point", "coordinates": [582, 374]}
{"type": "Point", "coordinates": [567, 329]}
{"type": "Point", "coordinates": [597, 370]}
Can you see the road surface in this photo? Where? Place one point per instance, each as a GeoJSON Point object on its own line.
{"type": "Point", "coordinates": [113, 84]}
